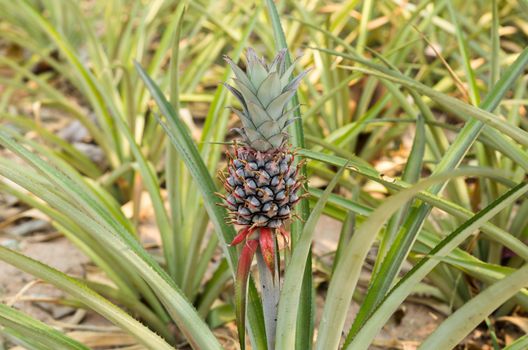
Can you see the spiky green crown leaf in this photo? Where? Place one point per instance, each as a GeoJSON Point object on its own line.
{"type": "Point", "coordinates": [264, 91]}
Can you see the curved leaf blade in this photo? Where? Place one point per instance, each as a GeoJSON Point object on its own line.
{"type": "Point", "coordinates": [346, 274]}
{"type": "Point", "coordinates": [464, 320]}
{"type": "Point", "coordinates": [87, 296]}
{"type": "Point", "coordinates": [398, 294]}
{"type": "Point", "coordinates": [36, 330]}
{"type": "Point", "coordinates": [292, 288]}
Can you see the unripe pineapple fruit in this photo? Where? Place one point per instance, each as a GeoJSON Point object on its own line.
{"type": "Point", "coordinates": [262, 180]}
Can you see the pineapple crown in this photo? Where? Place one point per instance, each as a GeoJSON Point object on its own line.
{"type": "Point", "coordinates": [264, 91]}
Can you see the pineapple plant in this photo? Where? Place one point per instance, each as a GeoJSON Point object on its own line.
{"type": "Point", "coordinates": [262, 179]}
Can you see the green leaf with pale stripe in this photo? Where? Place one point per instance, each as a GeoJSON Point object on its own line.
{"type": "Point", "coordinates": [86, 296]}
{"type": "Point", "coordinates": [296, 132]}
{"type": "Point", "coordinates": [292, 287]}
{"type": "Point", "coordinates": [389, 304]}
{"type": "Point", "coordinates": [519, 344]}
{"type": "Point", "coordinates": [92, 217]}
{"type": "Point", "coordinates": [346, 274]}
{"type": "Point", "coordinates": [182, 141]}
{"type": "Point", "coordinates": [457, 211]}
{"type": "Point", "coordinates": [457, 326]}
{"type": "Point", "coordinates": [33, 329]}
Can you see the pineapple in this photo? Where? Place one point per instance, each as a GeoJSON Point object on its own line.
{"type": "Point", "coordinates": [262, 180]}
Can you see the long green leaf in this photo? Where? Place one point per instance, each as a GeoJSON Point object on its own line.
{"type": "Point", "coordinates": [411, 174]}
{"type": "Point", "coordinates": [96, 220]}
{"type": "Point", "coordinates": [175, 239]}
{"type": "Point", "coordinates": [305, 315]}
{"type": "Point", "coordinates": [492, 231]}
{"type": "Point", "coordinates": [519, 344]}
{"type": "Point", "coordinates": [292, 288]}
{"type": "Point", "coordinates": [87, 296]}
{"type": "Point", "coordinates": [346, 274]}
{"type": "Point", "coordinates": [181, 140]}
{"type": "Point", "coordinates": [464, 320]}
{"type": "Point", "coordinates": [36, 330]}
{"type": "Point", "coordinates": [454, 155]}
{"type": "Point", "coordinates": [375, 322]}
{"type": "Point", "coordinates": [466, 60]}
{"type": "Point", "coordinates": [22, 339]}
{"type": "Point", "coordinates": [473, 127]}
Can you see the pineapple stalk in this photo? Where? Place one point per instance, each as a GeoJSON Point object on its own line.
{"type": "Point", "coordinates": [262, 179]}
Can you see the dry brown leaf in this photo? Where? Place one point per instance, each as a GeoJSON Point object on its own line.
{"type": "Point", "coordinates": [520, 322]}
{"type": "Point", "coordinates": [103, 339]}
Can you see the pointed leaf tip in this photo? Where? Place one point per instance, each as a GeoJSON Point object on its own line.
{"type": "Point", "coordinates": [242, 234]}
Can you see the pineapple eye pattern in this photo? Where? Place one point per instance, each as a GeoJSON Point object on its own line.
{"type": "Point", "coordinates": [262, 188]}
